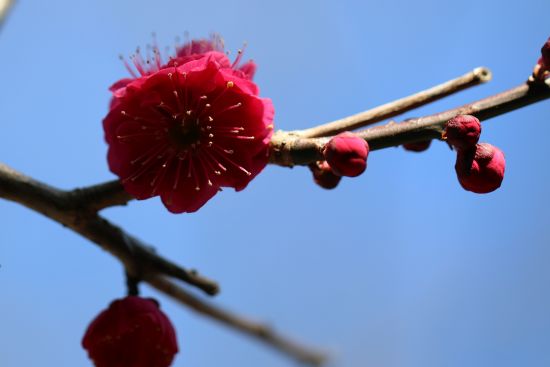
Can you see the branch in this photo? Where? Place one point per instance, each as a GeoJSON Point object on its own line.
{"type": "Point", "coordinates": [289, 150]}
{"type": "Point", "coordinates": [293, 148]}
{"type": "Point", "coordinates": [255, 330]}
{"type": "Point", "coordinates": [73, 210]}
{"type": "Point", "coordinates": [100, 196]}
{"type": "Point", "coordinates": [400, 106]}
{"type": "Point", "coordinates": [59, 206]}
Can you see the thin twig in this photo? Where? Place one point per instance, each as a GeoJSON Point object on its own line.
{"type": "Point", "coordinates": [398, 107]}
{"type": "Point", "coordinates": [289, 150]}
{"type": "Point", "coordinates": [57, 205]}
{"type": "Point", "coordinates": [5, 6]}
{"type": "Point", "coordinates": [248, 327]}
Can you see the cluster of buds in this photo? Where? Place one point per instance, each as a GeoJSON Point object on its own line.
{"type": "Point", "coordinates": [345, 155]}
{"type": "Point", "coordinates": [479, 167]}
{"type": "Point", "coordinates": [131, 332]}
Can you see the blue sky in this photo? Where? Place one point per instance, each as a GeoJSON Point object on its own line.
{"type": "Point", "coordinates": [399, 267]}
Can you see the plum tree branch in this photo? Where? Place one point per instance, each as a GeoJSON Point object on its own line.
{"type": "Point", "coordinates": [475, 77]}
{"type": "Point", "coordinates": [77, 210]}
{"type": "Point", "coordinates": [288, 149]}
{"type": "Point", "coordinates": [111, 193]}
{"type": "Point", "coordinates": [292, 148]}
{"type": "Point", "coordinates": [80, 216]}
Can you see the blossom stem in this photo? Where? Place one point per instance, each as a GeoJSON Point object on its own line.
{"type": "Point", "coordinates": [287, 149]}
{"type": "Point", "coordinates": [475, 77]}
{"type": "Point", "coordinates": [132, 284]}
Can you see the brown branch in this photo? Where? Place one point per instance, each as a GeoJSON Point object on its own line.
{"type": "Point", "coordinates": [59, 206]}
{"type": "Point", "coordinates": [77, 209]}
{"type": "Point", "coordinates": [100, 196]}
{"type": "Point", "coordinates": [398, 107]}
{"type": "Point", "coordinates": [290, 150]}
{"type": "Point", "coordinates": [73, 210]}
{"type": "Point", "coordinates": [248, 327]}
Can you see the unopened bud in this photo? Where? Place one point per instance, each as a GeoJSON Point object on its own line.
{"type": "Point", "coordinates": [323, 175]}
{"type": "Point", "coordinates": [480, 170]}
{"type": "Point", "coordinates": [418, 146]}
{"type": "Point", "coordinates": [545, 52]}
{"type": "Point", "coordinates": [462, 132]}
{"type": "Point", "coordinates": [346, 153]}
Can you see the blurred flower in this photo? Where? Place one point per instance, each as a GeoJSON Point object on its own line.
{"type": "Point", "coordinates": [132, 332]}
{"type": "Point", "coordinates": [184, 131]}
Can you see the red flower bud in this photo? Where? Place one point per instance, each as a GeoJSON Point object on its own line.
{"type": "Point", "coordinates": [462, 131]}
{"type": "Point", "coordinates": [347, 154]}
{"type": "Point", "coordinates": [323, 175]}
{"type": "Point", "coordinates": [132, 332]}
{"type": "Point", "coordinates": [545, 52]}
{"type": "Point", "coordinates": [418, 146]}
{"type": "Point", "coordinates": [480, 170]}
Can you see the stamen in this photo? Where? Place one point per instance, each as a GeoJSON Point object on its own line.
{"type": "Point", "coordinates": [215, 161]}
{"type": "Point", "coordinates": [128, 67]}
{"type": "Point", "coordinates": [232, 107]}
{"type": "Point", "coordinates": [145, 167]}
{"type": "Point", "coordinates": [217, 149]}
{"type": "Point", "coordinates": [155, 149]}
{"type": "Point", "coordinates": [178, 171]}
{"type": "Point", "coordinates": [193, 173]}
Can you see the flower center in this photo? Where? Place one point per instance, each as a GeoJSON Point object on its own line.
{"type": "Point", "coordinates": [184, 134]}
